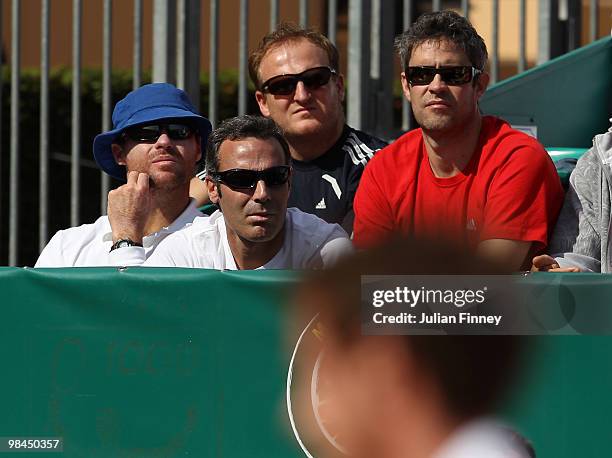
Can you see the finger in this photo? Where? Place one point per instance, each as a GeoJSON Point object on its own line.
{"type": "Point", "coordinates": [565, 269]}
{"type": "Point", "coordinates": [543, 260]}
{"type": "Point", "coordinates": [132, 177]}
{"type": "Point", "coordinates": [544, 267]}
{"type": "Point", "coordinates": [143, 181]}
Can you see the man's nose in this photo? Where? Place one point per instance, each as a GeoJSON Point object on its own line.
{"type": "Point", "coordinates": [437, 84]}
{"type": "Point", "coordinates": [301, 92]}
{"type": "Point", "coordinates": [163, 139]}
{"type": "Point", "coordinates": [262, 192]}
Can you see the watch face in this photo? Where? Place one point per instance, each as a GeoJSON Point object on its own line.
{"type": "Point", "coordinates": [124, 243]}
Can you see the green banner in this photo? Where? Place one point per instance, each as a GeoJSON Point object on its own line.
{"type": "Point", "coordinates": [187, 362]}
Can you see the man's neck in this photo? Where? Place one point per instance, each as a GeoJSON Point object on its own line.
{"type": "Point", "coordinates": [251, 255]}
{"type": "Point", "coordinates": [167, 207]}
{"type": "Point", "coordinates": [309, 147]}
{"type": "Point", "coordinates": [450, 152]}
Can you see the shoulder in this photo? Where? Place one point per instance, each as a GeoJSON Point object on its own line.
{"type": "Point", "coordinates": [586, 176]}
{"type": "Point", "coordinates": [366, 139]}
{"type": "Point", "coordinates": [200, 226]}
{"type": "Point", "coordinates": [319, 244]}
{"type": "Point", "coordinates": [68, 246]}
{"type": "Point", "coordinates": [360, 147]}
{"type": "Point", "coordinates": [306, 226]}
{"type": "Point", "coordinates": [499, 136]}
{"type": "Point", "coordinates": [85, 231]}
{"type": "Point", "coordinates": [508, 149]}
{"type": "Point", "coordinates": [400, 153]}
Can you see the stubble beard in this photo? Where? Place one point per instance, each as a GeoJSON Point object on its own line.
{"type": "Point", "coordinates": [167, 185]}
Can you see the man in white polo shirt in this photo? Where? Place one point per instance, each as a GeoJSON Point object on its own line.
{"type": "Point", "coordinates": [249, 178]}
{"type": "Point", "coordinates": [153, 147]}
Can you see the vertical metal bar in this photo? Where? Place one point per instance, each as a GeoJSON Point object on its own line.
{"type": "Point", "coordinates": [375, 40]}
{"type": "Point", "coordinates": [137, 64]}
{"type": "Point", "coordinates": [43, 194]}
{"type": "Point", "coordinates": [357, 69]}
{"type": "Point", "coordinates": [593, 19]}
{"type": "Point", "coordinates": [273, 15]}
{"type": "Point", "coordinates": [14, 167]}
{"type": "Point", "coordinates": [164, 44]}
{"type": "Point", "coordinates": [303, 13]}
{"type": "Point", "coordinates": [495, 43]}
{"type": "Point", "coordinates": [188, 49]}
{"type": "Point", "coordinates": [406, 109]}
{"type": "Point", "coordinates": [380, 112]}
{"type": "Point", "coordinates": [465, 7]}
{"type": "Point", "coordinates": [75, 175]}
{"type": "Point", "coordinates": [544, 30]}
{"type": "Point", "coordinates": [242, 57]}
{"type": "Point", "coordinates": [436, 5]}
{"type": "Point", "coordinates": [213, 91]}
{"type": "Point", "coordinates": [332, 20]}
{"type": "Point", "coordinates": [522, 63]}
{"type": "Point", "coordinates": [107, 60]}
{"type": "Point", "coordinates": [181, 40]}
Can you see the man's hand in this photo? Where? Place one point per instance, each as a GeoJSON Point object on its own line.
{"type": "Point", "coordinates": [129, 206]}
{"type": "Point", "coordinates": [545, 263]}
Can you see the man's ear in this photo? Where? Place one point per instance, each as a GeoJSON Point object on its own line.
{"type": "Point", "coordinates": [290, 179]}
{"type": "Point", "coordinates": [340, 86]}
{"type": "Point", "coordinates": [214, 193]}
{"type": "Point", "coordinates": [117, 151]}
{"type": "Point", "coordinates": [405, 86]}
{"type": "Point", "coordinates": [263, 103]}
{"type": "Point", "coordinates": [198, 139]}
{"type": "Point", "coordinates": [482, 81]}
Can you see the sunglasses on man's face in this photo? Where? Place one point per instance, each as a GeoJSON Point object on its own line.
{"type": "Point", "coordinates": [312, 78]}
{"type": "Point", "coordinates": [248, 179]}
{"type": "Point", "coordinates": [151, 132]}
{"type": "Point", "coordinates": [453, 76]}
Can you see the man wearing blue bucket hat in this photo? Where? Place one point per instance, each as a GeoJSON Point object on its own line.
{"type": "Point", "coordinates": [154, 147]}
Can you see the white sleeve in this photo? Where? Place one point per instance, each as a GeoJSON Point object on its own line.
{"type": "Point", "coordinates": [52, 253]}
{"type": "Point", "coordinates": [127, 256]}
{"type": "Point", "coordinates": [336, 248]}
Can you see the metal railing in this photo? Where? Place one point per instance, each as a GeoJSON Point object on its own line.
{"type": "Point", "coordinates": [176, 37]}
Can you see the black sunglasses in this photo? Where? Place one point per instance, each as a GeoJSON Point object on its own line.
{"type": "Point", "coordinates": [151, 132]}
{"type": "Point", "coordinates": [453, 76]}
{"type": "Point", "coordinates": [286, 84]}
{"type": "Point", "coordinates": [248, 179]}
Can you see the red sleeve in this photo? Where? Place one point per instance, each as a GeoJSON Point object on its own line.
{"type": "Point", "coordinates": [374, 221]}
{"type": "Point", "coordinates": [524, 198]}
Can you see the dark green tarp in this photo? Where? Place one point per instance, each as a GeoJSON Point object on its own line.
{"type": "Point", "coordinates": [179, 362]}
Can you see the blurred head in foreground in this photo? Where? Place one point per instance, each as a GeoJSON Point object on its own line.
{"type": "Point", "coordinates": [400, 395]}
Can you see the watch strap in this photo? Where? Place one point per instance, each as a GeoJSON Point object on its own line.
{"type": "Point", "coordinates": [122, 243]}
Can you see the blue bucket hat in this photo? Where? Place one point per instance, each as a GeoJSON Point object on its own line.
{"type": "Point", "coordinates": [152, 102]}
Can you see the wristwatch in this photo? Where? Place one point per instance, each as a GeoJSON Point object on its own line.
{"type": "Point", "coordinates": [122, 243]}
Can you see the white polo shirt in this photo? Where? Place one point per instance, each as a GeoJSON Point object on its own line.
{"type": "Point", "coordinates": [89, 245]}
{"type": "Point", "coordinates": [310, 243]}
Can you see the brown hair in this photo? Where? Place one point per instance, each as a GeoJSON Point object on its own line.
{"type": "Point", "coordinates": [443, 25]}
{"type": "Point", "coordinates": [289, 32]}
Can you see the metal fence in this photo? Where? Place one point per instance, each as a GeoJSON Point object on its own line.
{"type": "Point", "coordinates": [176, 42]}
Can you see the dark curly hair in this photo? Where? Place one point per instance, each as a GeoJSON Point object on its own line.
{"type": "Point", "coordinates": [446, 25]}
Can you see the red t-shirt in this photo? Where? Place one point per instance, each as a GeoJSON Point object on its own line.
{"type": "Point", "coordinates": [509, 190]}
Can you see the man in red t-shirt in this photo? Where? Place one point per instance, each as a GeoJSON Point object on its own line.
{"type": "Point", "coordinates": [464, 177]}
